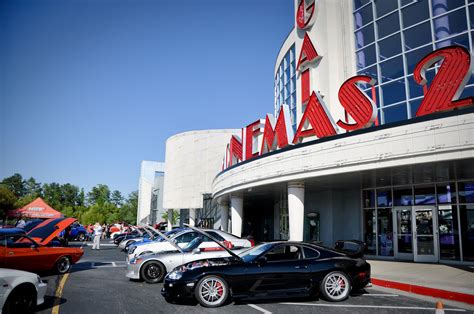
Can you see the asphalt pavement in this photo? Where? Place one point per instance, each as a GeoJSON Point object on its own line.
{"type": "Point", "coordinates": [97, 284]}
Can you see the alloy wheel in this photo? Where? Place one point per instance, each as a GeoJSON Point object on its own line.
{"type": "Point", "coordinates": [63, 265]}
{"type": "Point", "coordinates": [336, 286]}
{"type": "Point", "coordinates": [212, 291]}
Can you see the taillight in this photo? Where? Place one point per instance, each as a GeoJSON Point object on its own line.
{"type": "Point", "coordinates": [252, 242]}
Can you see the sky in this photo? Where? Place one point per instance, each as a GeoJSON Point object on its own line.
{"type": "Point", "coordinates": [89, 88]}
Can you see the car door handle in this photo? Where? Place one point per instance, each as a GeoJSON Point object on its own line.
{"type": "Point", "coordinates": [11, 253]}
{"type": "Point", "coordinates": [301, 267]}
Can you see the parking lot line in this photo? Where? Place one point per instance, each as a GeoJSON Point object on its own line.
{"type": "Point", "coordinates": [58, 294]}
{"type": "Point", "coordinates": [415, 308]}
{"type": "Point", "coordinates": [258, 308]}
{"type": "Point", "coordinates": [380, 295]}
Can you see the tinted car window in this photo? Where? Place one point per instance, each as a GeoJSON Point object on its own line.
{"type": "Point", "coordinates": [19, 242]}
{"type": "Point", "coordinates": [284, 253]}
{"type": "Point", "coordinates": [310, 253]}
{"type": "Point", "coordinates": [215, 235]}
{"type": "Point", "coordinates": [187, 237]}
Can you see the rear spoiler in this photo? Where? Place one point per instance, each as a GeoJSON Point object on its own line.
{"type": "Point", "coordinates": [352, 248]}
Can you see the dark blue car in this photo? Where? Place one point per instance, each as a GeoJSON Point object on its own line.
{"type": "Point", "coordinates": [78, 232]}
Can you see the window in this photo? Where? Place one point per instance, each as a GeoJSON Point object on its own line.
{"type": "Point", "coordinates": [19, 242]}
{"type": "Point", "coordinates": [383, 7]}
{"type": "Point", "coordinates": [187, 237]}
{"type": "Point", "coordinates": [425, 195]}
{"type": "Point", "coordinates": [402, 196]}
{"type": "Point", "coordinates": [395, 113]}
{"type": "Point", "coordinates": [466, 192]}
{"type": "Point", "coordinates": [310, 253]}
{"type": "Point", "coordinates": [388, 25]}
{"type": "Point", "coordinates": [215, 235]}
{"type": "Point", "coordinates": [390, 46]}
{"type": "Point", "coordinates": [393, 92]}
{"type": "Point", "coordinates": [397, 36]}
{"type": "Point", "coordinates": [284, 253]}
{"type": "Point", "coordinates": [415, 12]}
{"type": "Point", "coordinates": [384, 198]}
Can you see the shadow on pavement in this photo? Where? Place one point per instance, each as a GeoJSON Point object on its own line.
{"type": "Point", "coordinates": [49, 303]}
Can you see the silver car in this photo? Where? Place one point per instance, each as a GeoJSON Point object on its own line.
{"type": "Point", "coordinates": [153, 268]}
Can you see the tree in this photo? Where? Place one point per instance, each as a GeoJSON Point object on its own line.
{"type": "Point", "coordinates": [7, 199]}
{"type": "Point", "coordinates": [174, 217]}
{"type": "Point", "coordinates": [53, 195]}
{"type": "Point", "coordinates": [33, 188]}
{"type": "Point", "coordinates": [69, 195]}
{"type": "Point", "coordinates": [99, 194]}
{"type": "Point", "coordinates": [15, 184]}
{"type": "Point", "coordinates": [117, 198]}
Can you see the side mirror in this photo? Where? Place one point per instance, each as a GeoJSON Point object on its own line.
{"type": "Point", "coordinates": [262, 260]}
{"type": "Point", "coordinates": [196, 251]}
{"type": "Point", "coordinates": [33, 247]}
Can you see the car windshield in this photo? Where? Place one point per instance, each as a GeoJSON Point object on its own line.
{"type": "Point", "coordinates": [193, 244]}
{"type": "Point", "coordinates": [254, 252]}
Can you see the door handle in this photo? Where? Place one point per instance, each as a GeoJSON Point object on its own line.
{"type": "Point", "coordinates": [301, 267]}
{"type": "Point", "coordinates": [11, 253]}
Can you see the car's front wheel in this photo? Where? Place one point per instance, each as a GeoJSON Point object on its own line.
{"type": "Point", "coordinates": [335, 286]}
{"type": "Point", "coordinates": [153, 272]}
{"type": "Point", "coordinates": [81, 237]}
{"type": "Point", "coordinates": [211, 291]}
{"type": "Point", "coordinates": [63, 265]}
{"type": "Point", "coordinates": [21, 300]}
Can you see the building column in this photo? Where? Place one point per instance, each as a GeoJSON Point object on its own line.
{"type": "Point", "coordinates": [192, 217]}
{"type": "Point", "coordinates": [224, 207]}
{"type": "Point", "coordinates": [296, 210]}
{"type": "Point", "coordinates": [170, 224]}
{"type": "Point", "coordinates": [237, 210]}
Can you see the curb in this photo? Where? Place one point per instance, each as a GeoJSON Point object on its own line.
{"type": "Point", "coordinates": [431, 292]}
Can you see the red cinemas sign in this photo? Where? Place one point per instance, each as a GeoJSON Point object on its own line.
{"type": "Point", "coordinates": [263, 136]}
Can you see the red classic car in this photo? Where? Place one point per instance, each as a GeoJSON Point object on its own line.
{"type": "Point", "coordinates": [35, 252]}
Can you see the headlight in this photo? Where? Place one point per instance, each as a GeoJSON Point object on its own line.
{"type": "Point", "coordinates": [175, 275]}
{"type": "Point", "coordinates": [135, 260]}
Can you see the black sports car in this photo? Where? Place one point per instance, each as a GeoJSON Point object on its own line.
{"type": "Point", "coordinates": [275, 269]}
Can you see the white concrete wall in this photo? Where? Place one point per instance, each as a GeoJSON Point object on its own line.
{"type": "Point", "coordinates": [192, 161]}
{"type": "Point", "coordinates": [447, 138]}
{"type": "Point", "coordinates": [145, 187]}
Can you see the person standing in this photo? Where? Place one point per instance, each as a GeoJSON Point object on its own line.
{"type": "Point", "coordinates": [97, 235]}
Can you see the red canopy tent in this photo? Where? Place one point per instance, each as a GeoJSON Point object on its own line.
{"type": "Point", "coordinates": [36, 209]}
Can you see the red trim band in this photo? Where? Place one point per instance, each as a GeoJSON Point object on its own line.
{"type": "Point", "coordinates": [432, 292]}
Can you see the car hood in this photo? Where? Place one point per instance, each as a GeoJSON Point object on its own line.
{"type": "Point", "coordinates": [208, 262]}
{"type": "Point", "coordinates": [49, 229]}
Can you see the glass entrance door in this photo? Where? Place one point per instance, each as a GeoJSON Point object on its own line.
{"type": "Point", "coordinates": [403, 235]}
{"type": "Point", "coordinates": [425, 235]}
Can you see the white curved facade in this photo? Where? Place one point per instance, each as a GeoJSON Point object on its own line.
{"type": "Point", "coordinates": [404, 185]}
{"type": "Point", "coordinates": [192, 161]}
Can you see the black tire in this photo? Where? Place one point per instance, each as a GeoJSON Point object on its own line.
{"type": "Point", "coordinates": [335, 286]}
{"type": "Point", "coordinates": [63, 265]}
{"type": "Point", "coordinates": [81, 237]}
{"type": "Point", "coordinates": [21, 300]}
{"type": "Point", "coordinates": [152, 272]}
{"type": "Point", "coordinates": [211, 287]}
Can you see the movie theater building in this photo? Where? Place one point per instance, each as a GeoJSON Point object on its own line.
{"type": "Point", "coordinates": [371, 135]}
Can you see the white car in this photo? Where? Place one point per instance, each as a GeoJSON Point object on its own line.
{"type": "Point", "coordinates": [183, 238]}
{"type": "Point", "coordinates": [153, 267]}
{"type": "Point", "coordinates": [20, 291]}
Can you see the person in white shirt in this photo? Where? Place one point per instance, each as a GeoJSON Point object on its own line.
{"type": "Point", "coordinates": [97, 234]}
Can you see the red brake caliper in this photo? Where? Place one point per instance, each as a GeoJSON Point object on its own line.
{"type": "Point", "coordinates": [220, 290]}
{"type": "Point", "coordinates": [341, 283]}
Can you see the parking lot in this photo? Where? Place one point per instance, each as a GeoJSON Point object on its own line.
{"type": "Point", "coordinates": [97, 284]}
